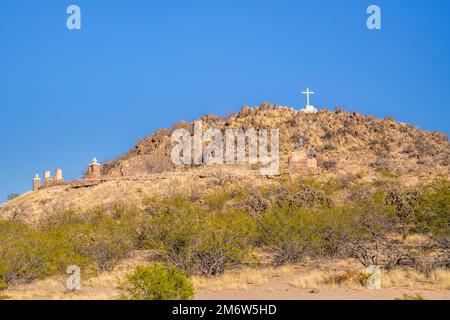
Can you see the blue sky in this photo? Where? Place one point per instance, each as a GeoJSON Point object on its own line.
{"type": "Point", "coordinates": [136, 66]}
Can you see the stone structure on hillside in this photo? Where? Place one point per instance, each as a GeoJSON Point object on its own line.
{"type": "Point", "coordinates": [49, 180]}
{"type": "Point", "coordinates": [302, 160]}
{"type": "Point", "coordinates": [36, 183]}
{"type": "Point", "coordinates": [94, 170]}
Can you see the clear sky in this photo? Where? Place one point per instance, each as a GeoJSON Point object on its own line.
{"type": "Point", "coordinates": [136, 66]}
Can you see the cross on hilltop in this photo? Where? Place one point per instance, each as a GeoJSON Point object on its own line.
{"type": "Point", "coordinates": [308, 108]}
{"type": "Point", "coordinates": [308, 93]}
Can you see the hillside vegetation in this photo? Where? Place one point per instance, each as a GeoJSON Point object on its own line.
{"type": "Point", "coordinates": [211, 233]}
{"type": "Point", "coordinates": [379, 185]}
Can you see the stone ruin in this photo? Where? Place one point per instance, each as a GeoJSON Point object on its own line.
{"type": "Point", "coordinates": [49, 180]}
{"type": "Point", "coordinates": [302, 160]}
{"type": "Point", "coordinates": [94, 171]}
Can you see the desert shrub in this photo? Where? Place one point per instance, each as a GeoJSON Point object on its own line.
{"type": "Point", "coordinates": [106, 243]}
{"type": "Point", "coordinates": [85, 239]}
{"type": "Point", "coordinates": [370, 223]}
{"type": "Point", "coordinates": [291, 233]}
{"type": "Point", "coordinates": [303, 196]}
{"type": "Point", "coordinates": [346, 181]}
{"type": "Point", "coordinates": [348, 277]}
{"type": "Point", "coordinates": [174, 231]}
{"type": "Point", "coordinates": [384, 166]}
{"type": "Point", "coordinates": [157, 282]}
{"type": "Point", "coordinates": [71, 217]}
{"type": "Point", "coordinates": [411, 297]}
{"type": "Point", "coordinates": [151, 205]}
{"type": "Point", "coordinates": [225, 240]}
{"type": "Point", "coordinates": [12, 196]}
{"type": "Point", "coordinates": [328, 147]}
{"type": "Point", "coordinates": [19, 257]}
{"type": "Point", "coordinates": [27, 254]}
{"type": "Point", "coordinates": [221, 177]}
{"type": "Point", "coordinates": [59, 251]}
{"type": "Point", "coordinates": [360, 195]}
{"type": "Point", "coordinates": [254, 202]}
{"type": "Point", "coordinates": [403, 202]}
{"type": "Point", "coordinates": [334, 225]}
{"type": "Point", "coordinates": [217, 200]}
{"type": "Point", "coordinates": [432, 211]}
{"type": "Point", "coordinates": [386, 173]}
{"type": "Point", "coordinates": [329, 165]}
{"type": "Point", "coordinates": [104, 236]}
{"type": "Point", "coordinates": [328, 136]}
{"type": "Point", "coordinates": [196, 240]}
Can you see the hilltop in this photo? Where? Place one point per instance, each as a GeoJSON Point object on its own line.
{"type": "Point", "coordinates": [342, 142]}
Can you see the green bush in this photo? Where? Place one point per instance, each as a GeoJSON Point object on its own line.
{"type": "Point", "coordinates": [196, 240]}
{"type": "Point", "coordinates": [334, 225]}
{"type": "Point", "coordinates": [225, 239]}
{"type": "Point", "coordinates": [106, 243]}
{"type": "Point", "coordinates": [157, 282]}
{"type": "Point", "coordinates": [356, 229]}
{"type": "Point", "coordinates": [217, 200]}
{"type": "Point", "coordinates": [59, 251]}
{"type": "Point", "coordinates": [432, 211]}
{"type": "Point", "coordinates": [305, 197]}
{"type": "Point", "coordinates": [12, 196]}
{"type": "Point", "coordinates": [253, 200]}
{"type": "Point", "coordinates": [102, 237]}
{"type": "Point", "coordinates": [174, 231]}
{"type": "Point", "coordinates": [69, 238]}
{"type": "Point", "coordinates": [19, 256]}
{"type": "Point", "coordinates": [291, 233]}
{"type": "Point", "coordinates": [370, 226]}
{"type": "Point", "coordinates": [403, 201]}
{"type": "Point", "coordinates": [27, 254]}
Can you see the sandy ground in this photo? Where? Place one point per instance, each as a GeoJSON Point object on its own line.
{"type": "Point", "coordinates": [277, 288]}
{"type": "Point", "coordinates": [280, 289]}
{"type": "Point", "coordinates": [246, 284]}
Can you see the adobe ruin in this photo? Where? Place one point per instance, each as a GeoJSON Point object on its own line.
{"type": "Point", "coordinates": [49, 180]}
{"type": "Point", "coordinates": [94, 171]}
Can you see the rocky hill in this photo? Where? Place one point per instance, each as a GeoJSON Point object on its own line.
{"type": "Point", "coordinates": [342, 143]}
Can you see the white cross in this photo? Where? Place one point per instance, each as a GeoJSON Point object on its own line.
{"type": "Point", "coordinates": [307, 92]}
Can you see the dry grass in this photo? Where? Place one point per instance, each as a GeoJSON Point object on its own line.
{"type": "Point", "coordinates": [240, 279]}
{"type": "Point", "coordinates": [353, 279]}
{"type": "Point", "coordinates": [335, 275]}
{"type": "Point", "coordinates": [397, 278]}
{"type": "Point", "coordinates": [315, 279]}
{"type": "Point", "coordinates": [101, 287]}
{"type": "Point", "coordinates": [417, 239]}
{"type": "Point", "coordinates": [437, 280]}
{"type": "Point", "coordinates": [413, 239]}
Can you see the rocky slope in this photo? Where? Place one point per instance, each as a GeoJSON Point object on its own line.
{"type": "Point", "coordinates": [344, 144]}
